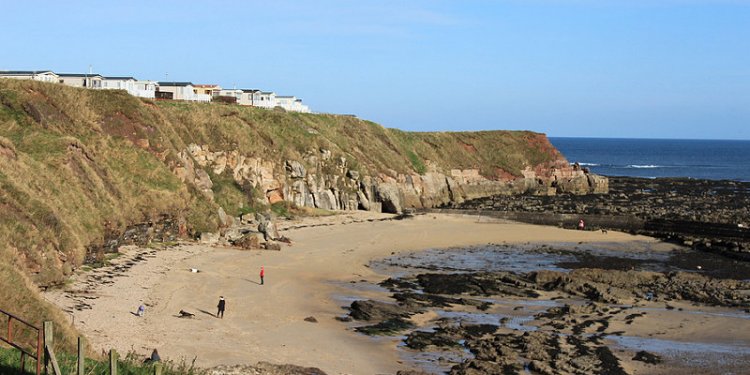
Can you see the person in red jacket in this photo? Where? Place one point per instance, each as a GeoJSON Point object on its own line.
{"type": "Point", "coordinates": [262, 273]}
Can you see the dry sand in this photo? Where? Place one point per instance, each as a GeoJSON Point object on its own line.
{"type": "Point", "coordinates": [266, 323]}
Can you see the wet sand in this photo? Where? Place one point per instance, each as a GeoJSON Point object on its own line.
{"type": "Point", "coordinates": [266, 323]}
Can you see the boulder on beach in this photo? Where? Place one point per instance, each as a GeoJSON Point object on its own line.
{"type": "Point", "coordinates": [249, 241]}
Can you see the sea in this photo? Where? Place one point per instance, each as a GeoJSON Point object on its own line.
{"type": "Point", "coordinates": [653, 158]}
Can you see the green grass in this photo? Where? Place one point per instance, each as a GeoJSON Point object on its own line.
{"type": "Point", "coordinates": [230, 195]}
{"type": "Point", "coordinates": [282, 209]}
{"type": "Point", "coordinates": [416, 162]}
{"type": "Point", "coordinates": [131, 364]}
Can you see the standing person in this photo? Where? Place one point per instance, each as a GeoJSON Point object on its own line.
{"type": "Point", "coordinates": [141, 310]}
{"type": "Point", "coordinates": [221, 306]}
{"type": "Point", "coordinates": [581, 225]}
{"type": "Point", "coordinates": [262, 273]}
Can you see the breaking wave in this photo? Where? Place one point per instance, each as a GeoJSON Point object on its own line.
{"type": "Point", "coordinates": [648, 166]}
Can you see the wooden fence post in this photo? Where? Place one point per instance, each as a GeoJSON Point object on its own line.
{"type": "Point", "coordinates": [39, 350]}
{"type": "Point", "coordinates": [49, 352]}
{"type": "Point", "coordinates": [81, 358]}
{"type": "Point", "coordinates": [112, 362]}
{"type": "Point", "coordinates": [23, 362]}
{"type": "Point", "coordinates": [49, 338]}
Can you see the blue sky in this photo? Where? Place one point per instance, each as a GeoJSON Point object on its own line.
{"type": "Point", "coordinates": [595, 68]}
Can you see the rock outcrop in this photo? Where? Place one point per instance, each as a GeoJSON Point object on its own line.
{"type": "Point", "coordinates": [326, 182]}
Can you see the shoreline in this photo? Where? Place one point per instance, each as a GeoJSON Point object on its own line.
{"type": "Point", "coordinates": [266, 323]}
{"type": "Point", "coordinates": [707, 215]}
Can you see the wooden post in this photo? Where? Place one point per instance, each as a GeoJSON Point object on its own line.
{"type": "Point", "coordinates": [81, 357]}
{"type": "Point", "coordinates": [157, 368]}
{"type": "Point", "coordinates": [112, 362]}
{"type": "Point", "coordinates": [39, 351]}
{"type": "Point", "coordinates": [49, 338]}
{"type": "Point", "coordinates": [10, 328]}
{"type": "Point", "coordinates": [49, 352]}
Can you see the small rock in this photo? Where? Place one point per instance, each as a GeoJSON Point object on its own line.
{"type": "Point", "coordinates": [647, 357]}
{"type": "Point", "coordinates": [209, 238]}
{"type": "Point", "coordinates": [311, 319]}
{"type": "Point", "coordinates": [272, 246]}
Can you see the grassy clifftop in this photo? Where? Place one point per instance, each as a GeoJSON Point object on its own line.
{"type": "Point", "coordinates": [283, 136]}
{"type": "Point", "coordinates": [76, 163]}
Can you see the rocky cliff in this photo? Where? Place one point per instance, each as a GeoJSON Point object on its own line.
{"type": "Point", "coordinates": [323, 180]}
{"type": "Point", "coordinates": [80, 166]}
{"type": "Point", "coordinates": [82, 170]}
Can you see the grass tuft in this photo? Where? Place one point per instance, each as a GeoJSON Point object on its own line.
{"type": "Point", "coordinates": [131, 364]}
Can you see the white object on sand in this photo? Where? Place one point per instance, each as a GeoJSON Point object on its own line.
{"type": "Point", "coordinates": [194, 270]}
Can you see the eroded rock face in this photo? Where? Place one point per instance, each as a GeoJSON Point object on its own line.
{"type": "Point", "coordinates": [324, 181]}
{"type": "Point", "coordinates": [390, 196]}
{"type": "Point", "coordinates": [295, 169]}
{"type": "Point", "coordinates": [326, 200]}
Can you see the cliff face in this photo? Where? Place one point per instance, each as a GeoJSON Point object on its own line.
{"type": "Point", "coordinates": [323, 181]}
{"type": "Point", "coordinates": [79, 167]}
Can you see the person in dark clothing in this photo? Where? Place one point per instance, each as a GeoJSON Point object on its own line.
{"type": "Point", "coordinates": [222, 305]}
{"type": "Point", "coordinates": [154, 357]}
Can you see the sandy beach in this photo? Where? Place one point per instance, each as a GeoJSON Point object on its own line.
{"type": "Point", "coordinates": [267, 322]}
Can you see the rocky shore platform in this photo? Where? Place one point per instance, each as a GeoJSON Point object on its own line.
{"type": "Point", "coordinates": [708, 215]}
{"type": "Point", "coordinates": [560, 309]}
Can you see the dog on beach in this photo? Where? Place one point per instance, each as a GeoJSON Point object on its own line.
{"type": "Point", "coordinates": [185, 314]}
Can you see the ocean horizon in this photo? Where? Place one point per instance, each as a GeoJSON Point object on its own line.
{"type": "Point", "coordinates": [654, 158]}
